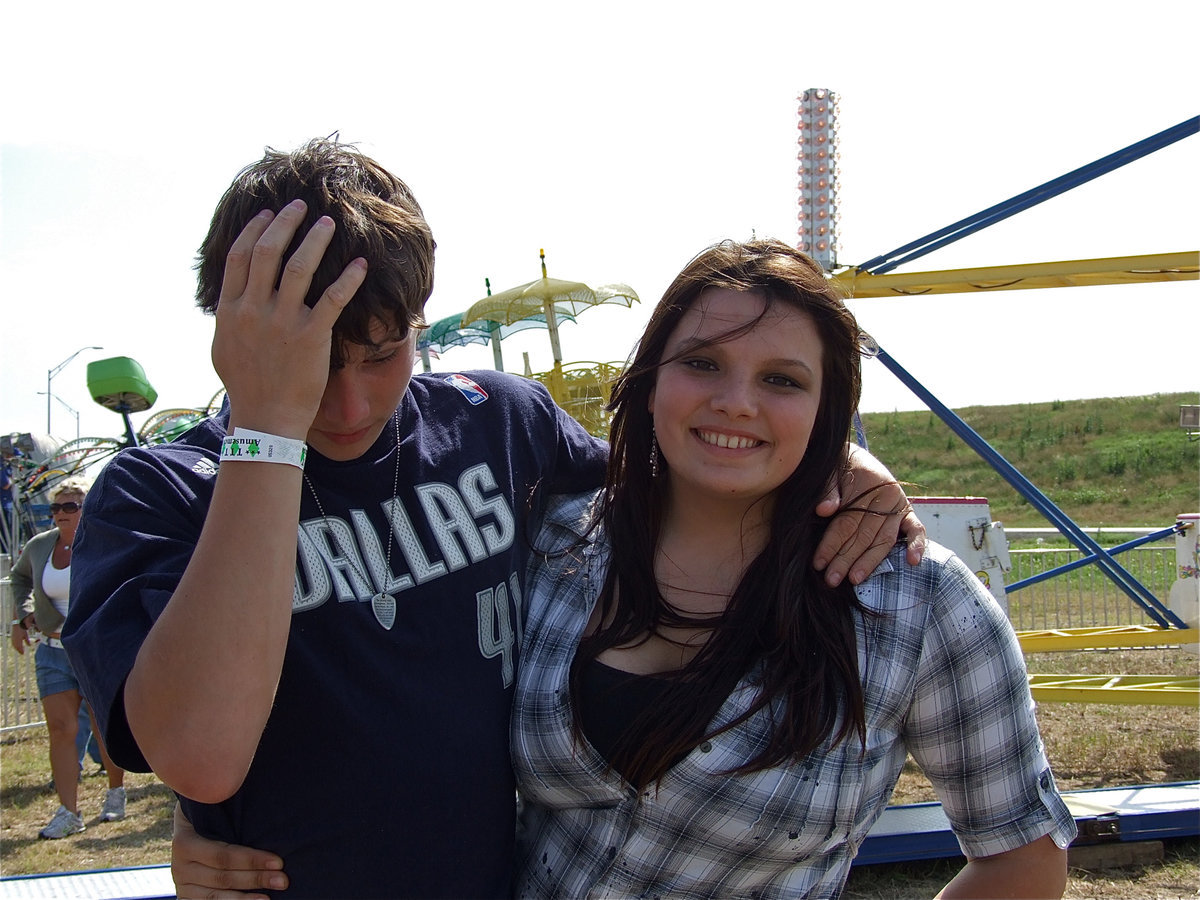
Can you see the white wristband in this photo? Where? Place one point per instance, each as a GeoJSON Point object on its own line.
{"type": "Point", "coordinates": [245, 445]}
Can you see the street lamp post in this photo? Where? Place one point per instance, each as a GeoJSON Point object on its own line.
{"type": "Point", "coordinates": [50, 373]}
{"type": "Point", "coordinates": [72, 410]}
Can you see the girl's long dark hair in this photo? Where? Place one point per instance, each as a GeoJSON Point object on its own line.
{"type": "Point", "coordinates": [783, 625]}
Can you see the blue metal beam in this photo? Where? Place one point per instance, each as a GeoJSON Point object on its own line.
{"type": "Point", "coordinates": [980, 220]}
{"type": "Point", "coordinates": [1126, 582]}
{"type": "Point", "coordinates": [1085, 560]}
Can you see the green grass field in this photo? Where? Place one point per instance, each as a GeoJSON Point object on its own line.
{"type": "Point", "coordinates": [1117, 461]}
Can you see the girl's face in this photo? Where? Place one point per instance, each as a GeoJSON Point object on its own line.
{"type": "Point", "coordinates": [733, 417]}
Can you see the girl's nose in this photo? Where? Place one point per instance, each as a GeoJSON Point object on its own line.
{"type": "Point", "coordinates": [734, 396]}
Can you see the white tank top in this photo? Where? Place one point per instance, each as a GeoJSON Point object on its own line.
{"type": "Point", "coordinates": [56, 584]}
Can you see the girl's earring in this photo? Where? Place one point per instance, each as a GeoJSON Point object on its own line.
{"type": "Point", "coordinates": [653, 453]}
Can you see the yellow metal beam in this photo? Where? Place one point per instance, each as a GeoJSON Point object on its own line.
{"type": "Point", "coordinates": [1060, 639]}
{"type": "Point", "coordinates": [1158, 690]}
{"type": "Point", "coordinates": [1070, 273]}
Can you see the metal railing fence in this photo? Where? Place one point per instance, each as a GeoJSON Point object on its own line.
{"type": "Point", "coordinates": [1085, 597]}
{"type": "Point", "coordinates": [20, 705]}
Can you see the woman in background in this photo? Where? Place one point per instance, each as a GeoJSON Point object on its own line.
{"type": "Point", "coordinates": [41, 582]}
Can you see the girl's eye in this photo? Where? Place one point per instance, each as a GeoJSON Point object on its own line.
{"type": "Point", "coordinates": [783, 381]}
{"type": "Point", "coordinates": [380, 360]}
{"type": "Point", "coordinates": [701, 365]}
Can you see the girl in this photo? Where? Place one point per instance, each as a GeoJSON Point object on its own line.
{"type": "Point", "coordinates": [698, 713]}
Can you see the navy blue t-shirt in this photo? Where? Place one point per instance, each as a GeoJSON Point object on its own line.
{"type": "Point", "coordinates": [384, 767]}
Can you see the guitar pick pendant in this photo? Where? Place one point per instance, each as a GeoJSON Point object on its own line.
{"type": "Point", "coordinates": [383, 604]}
{"type": "Point", "coordinates": [384, 607]}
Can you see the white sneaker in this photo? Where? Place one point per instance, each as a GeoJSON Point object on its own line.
{"type": "Point", "coordinates": [64, 823]}
{"type": "Point", "coordinates": [114, 805]}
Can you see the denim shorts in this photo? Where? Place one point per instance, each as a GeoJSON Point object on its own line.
{"type": "Point", "coordinates": [54, 672]}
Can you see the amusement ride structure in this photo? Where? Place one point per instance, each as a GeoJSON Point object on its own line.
{"type": "Point", "coordinates": [1126, 814]}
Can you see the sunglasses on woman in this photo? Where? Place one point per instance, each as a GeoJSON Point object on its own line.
{"type": "Point", "coordinates": [69, 507]}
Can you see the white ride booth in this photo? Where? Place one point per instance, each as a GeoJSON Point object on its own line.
{"type": "Point", "coordinates": [964, 525]}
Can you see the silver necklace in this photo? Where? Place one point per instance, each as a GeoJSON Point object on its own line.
{"type": "Point", "coordinates": [383, 604]}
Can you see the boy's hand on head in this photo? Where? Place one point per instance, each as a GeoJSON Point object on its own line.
{"type": "Point", "coordinates": [862, 533]}
{"type": "Point", "coordinates": [269, 349]}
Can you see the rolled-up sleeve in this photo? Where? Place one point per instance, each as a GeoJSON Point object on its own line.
{"type": "Point", "coordinates": [972, 729]}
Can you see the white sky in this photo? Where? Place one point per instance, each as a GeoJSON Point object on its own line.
{"type": "Point", "coordinates": [623, 137]}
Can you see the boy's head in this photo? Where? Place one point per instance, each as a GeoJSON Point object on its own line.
{"type": "Point", "coordinates": [377, 218]}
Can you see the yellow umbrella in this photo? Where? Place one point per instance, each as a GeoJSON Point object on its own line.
{"type": "Point", "coordinates": [550, 297]}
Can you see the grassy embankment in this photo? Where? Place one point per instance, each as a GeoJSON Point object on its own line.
{"type": "Point", "coordinates": [1116, 461]}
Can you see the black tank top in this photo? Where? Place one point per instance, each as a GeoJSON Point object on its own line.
{"type": "Point", "coordinates": [611, 701]}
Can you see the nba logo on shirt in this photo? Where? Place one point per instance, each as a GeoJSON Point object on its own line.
{"type": "Point", "coordinates": [469, 389]}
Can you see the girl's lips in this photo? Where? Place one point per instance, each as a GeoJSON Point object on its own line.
{"type": "Point", "coordinates": [726, 441]}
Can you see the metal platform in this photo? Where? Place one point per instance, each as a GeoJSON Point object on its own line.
{"type": "Point", "coordinates": [903, 833]}
{"type": "Point", "coordinates": [1157, 690]}
{"type": "Point", "coordinates": [139, 883]}
{"type": "Point", "coordinates": [1065, 639]}
{"type": "Point", "coordinates": [1149, 812]}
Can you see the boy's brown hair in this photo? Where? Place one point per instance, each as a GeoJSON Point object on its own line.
{"type": "Point", "coordinates": [377, 218]}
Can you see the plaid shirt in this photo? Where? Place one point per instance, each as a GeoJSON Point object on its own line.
{"type": "Point", "coordinates": [943, 678]}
